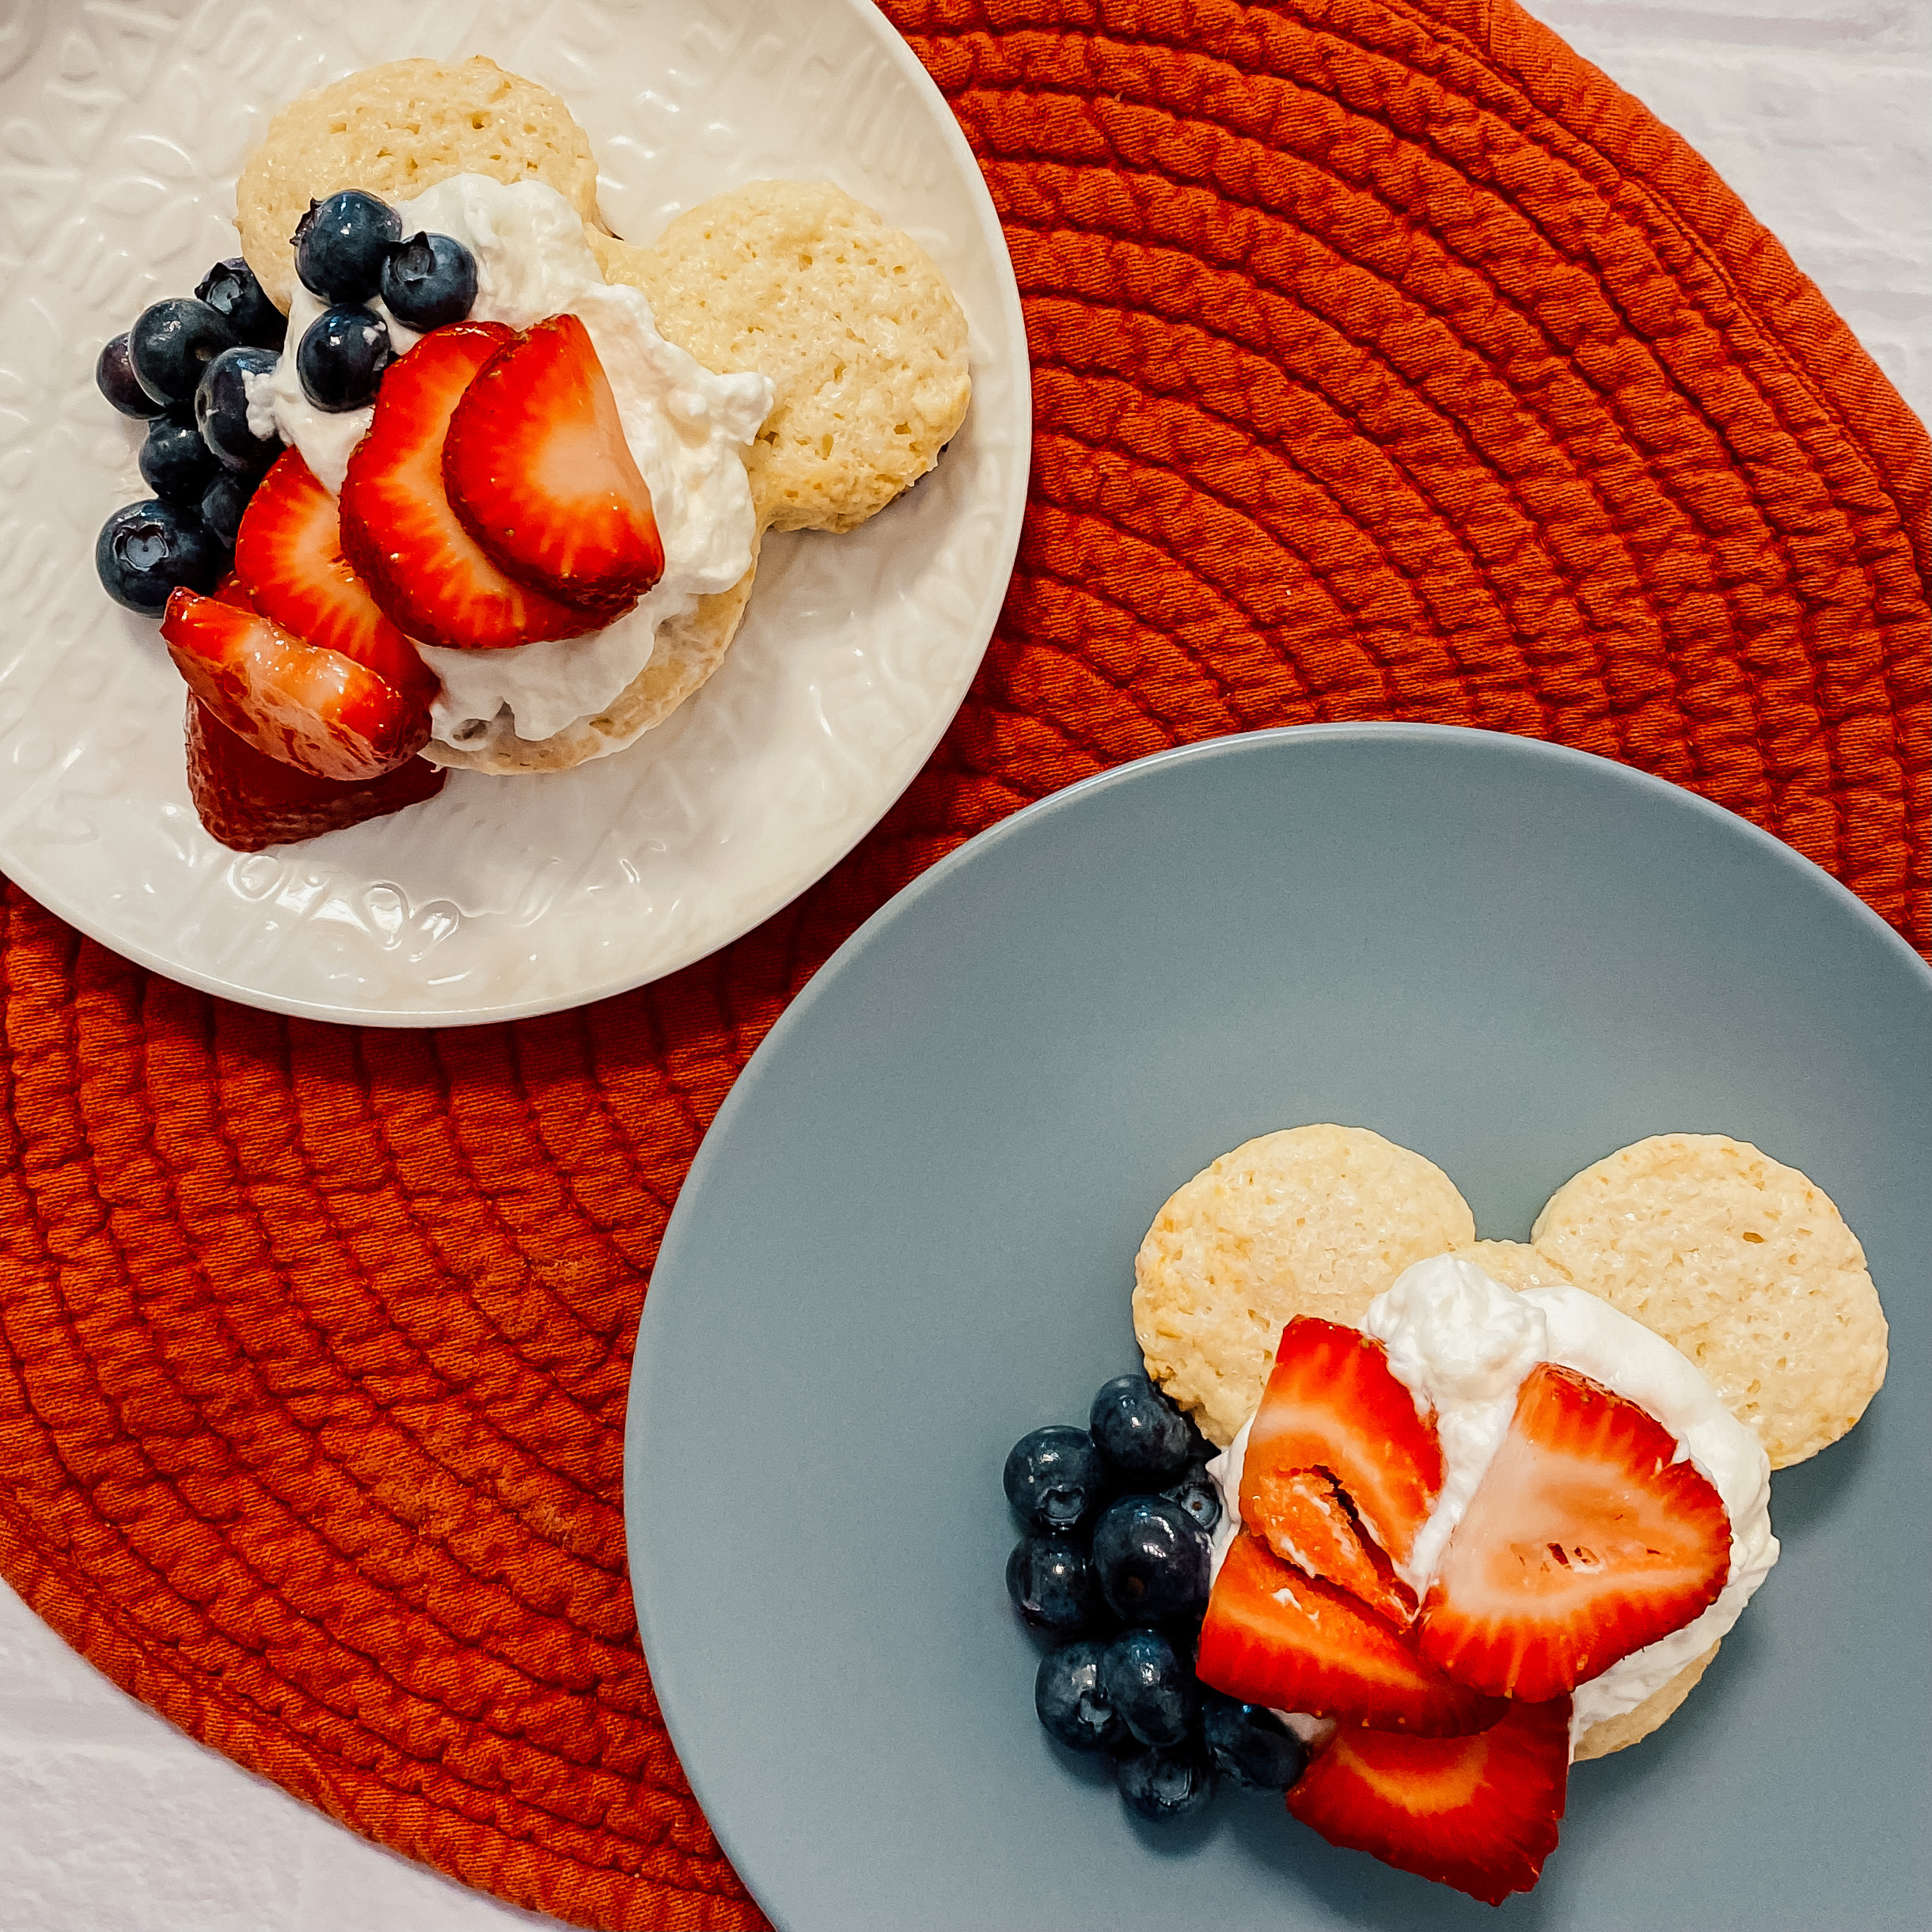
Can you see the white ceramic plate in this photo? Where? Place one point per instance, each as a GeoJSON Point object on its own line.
{"type": "Point", "coordinates": [122, 130]}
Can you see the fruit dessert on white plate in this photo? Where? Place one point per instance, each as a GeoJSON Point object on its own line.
{"type": "Point", "coordinates": [451, 483]}
{"type": "Point", "coordinates": [1481, 1533]}
{"type": "Point", "coordinates": [481, 511]}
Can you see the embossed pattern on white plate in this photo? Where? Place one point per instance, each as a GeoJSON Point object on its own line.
{"type": "Point", "coordinates": [123, 129]}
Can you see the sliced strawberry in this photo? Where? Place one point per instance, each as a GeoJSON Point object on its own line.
{"type": "Point", "coordinates": [231, 589]}
{"type": "Point", "coordinates": [1273, 1636]}
{"type": "Point", "coordinates": [248, 801]}
{"type": "Point", "coordinates": [1307, 1521]}
{"type": "Point", "coordinates": [538, 469]}
{"type": "Point", "coordinates": [1333, 1403]}
{"type": "Point", "coordinates": [310, 707]}
{"type": "Point", "coordinates": [430, 576]}
{"type": "Point", "coordinates": [288, 554]}
{"type": "Point", "coordinates": [1479, 1813]}
{"type": "Point", "coordinates": [1585, 1540]}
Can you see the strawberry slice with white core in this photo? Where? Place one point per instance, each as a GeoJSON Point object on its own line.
{"type": "Point", "coordinates": [1479, 1813]}
{"type": "Point", "coordinates": [1273, 1636]}
{"type": "Point", "coordinates": [1585, 1540]}
{"type": "Point", "coordinates": [1307, 1521]}
{"type": "Point", "coordinates": [288, 555]}
{"type": "Point", "coordinates": [538, 469]}
{"type": "Point", "coordinates": [1332, 1403]}
{"type": "Point", "coordinates": [311, 708]}
{"type": "Point", "coordinates": [430, 577]}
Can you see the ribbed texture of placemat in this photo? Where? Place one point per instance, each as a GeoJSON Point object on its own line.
{"type": "Point", "coordinates": [1390, 363]}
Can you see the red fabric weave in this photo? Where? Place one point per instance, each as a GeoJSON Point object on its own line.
{"type": "Point", "coordinates": [1390, 363]}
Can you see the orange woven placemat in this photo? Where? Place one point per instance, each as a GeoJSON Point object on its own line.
{"type": "Point", "coordinates": [1390, 363]}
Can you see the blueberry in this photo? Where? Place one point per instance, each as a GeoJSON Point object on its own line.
{"type": "Point", "coordinates": [340, 244]}
{"type": "Point", "coordinates": [222, 408]}
{"type": "Point", "coordinates": [231, 289]}
{"type": "Point", "coordinates": [172, 342]}
{"type": "Point", "coordinates": [144, 549]}
{"type": "Point", "coordinates": [1067, 1695]}
{"type": "Point", "coordinates": [1151, 1559]}
{"type": "Point", "coordinates": [223, 501]}
{"type": "Point", "coordinates": [176, 463]}
{"type": "Point", "coordinates": [341, 357]}
{"type": "Point", "coordinates": [114, 376]}
{"type": "Point", "coordinates": [1141, 1433]}
{"type": "Point", "coordinates": [1165, 1783]}
{"type": "Point", "coordinates": [1051, 1582]}
{"type": "Point", "coordinates": [1151, 1687]}
{"type": "Point", "coordinates": [1251, 1743]}
{"type": "Point", "coordinates": [1198, 1494]}
{"type": "Point", "coordinates": [429, 280]}
{"type": "Point", "coordinates": [1055, 1478]}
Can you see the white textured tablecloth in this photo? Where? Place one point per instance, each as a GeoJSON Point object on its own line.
{"type": "Point", "coordinates": [1818, 113]}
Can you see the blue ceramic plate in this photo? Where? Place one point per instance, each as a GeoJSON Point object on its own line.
{"type": "Point", "coordinates": [909, 1239]}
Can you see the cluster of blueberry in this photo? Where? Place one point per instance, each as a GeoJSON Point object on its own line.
{"type": "Point", "coordinates": [1116, 1557]}
{"type": "Point", "coordinates": [186, 365]}
{"type": "Point", "coordinates": [348, 249]}
{"type": "Point", "coordinates": [184, 369]}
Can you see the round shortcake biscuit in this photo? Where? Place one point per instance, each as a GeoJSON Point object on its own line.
{"type": "Point", "coordinates": [1312, 1220]}
{"type": "Point", "coordinates": [1743, 1264]}
{"type": "Point", "coordinates": [397, 130]}
{"type": "Point", "coordinates": [684, 652]}
{"type": "Point", "coordinates": [1516, 1264]}
{"type": "Point", "coordinates": [1632, 1727]}
{"type": "Point", "coordinates": [864, 341]}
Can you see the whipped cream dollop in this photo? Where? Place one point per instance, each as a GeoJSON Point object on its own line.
{"type": "Point", "coordinates": [686, 427]}
{"type": "Point", "coordinates": [1461, 1343]}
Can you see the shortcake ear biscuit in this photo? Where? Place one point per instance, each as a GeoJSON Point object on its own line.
{"type": "Point", "coordinates": [1313, 1221]}
{"type": "Point", "coordinates": [864, 341]}
{"type": "Point", "coordinates": [685, 652]}
{"type": "Point", "coordinates": [1620, 1732]}
{"type": "Point", "coordinates": [1516, 1264]}
{"type": "Point", "coordinates": [397, 130]}
{"type": "Point", "coordinates": [1743, 1264]}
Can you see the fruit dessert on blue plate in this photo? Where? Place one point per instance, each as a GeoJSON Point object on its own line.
{"type": "Point", "coordinates": [1470, 1532]}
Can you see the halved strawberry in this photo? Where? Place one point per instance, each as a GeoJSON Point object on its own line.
{"type": "Point", "coordinates": [1333, 1403]}
{"type": "Point", "coordinates": [538, 469]}
{"type": "Point", "coordinates": [1585, 1540]}
{"type": "Point", "coordinates": [1273, 1636]}
{"type": "Point", "coordinates": [1307, 1521]}
{"type": "Point", "coordinates": [429, 575]}
{"type": "Point", "coordinates": [248, 801]}
{"type": "Point", "coordinates": [310, 707]}
{"type": "Point", "coordinates": [1479, 1813]}
{"type": "Point", "coordinates": [288, 554]}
